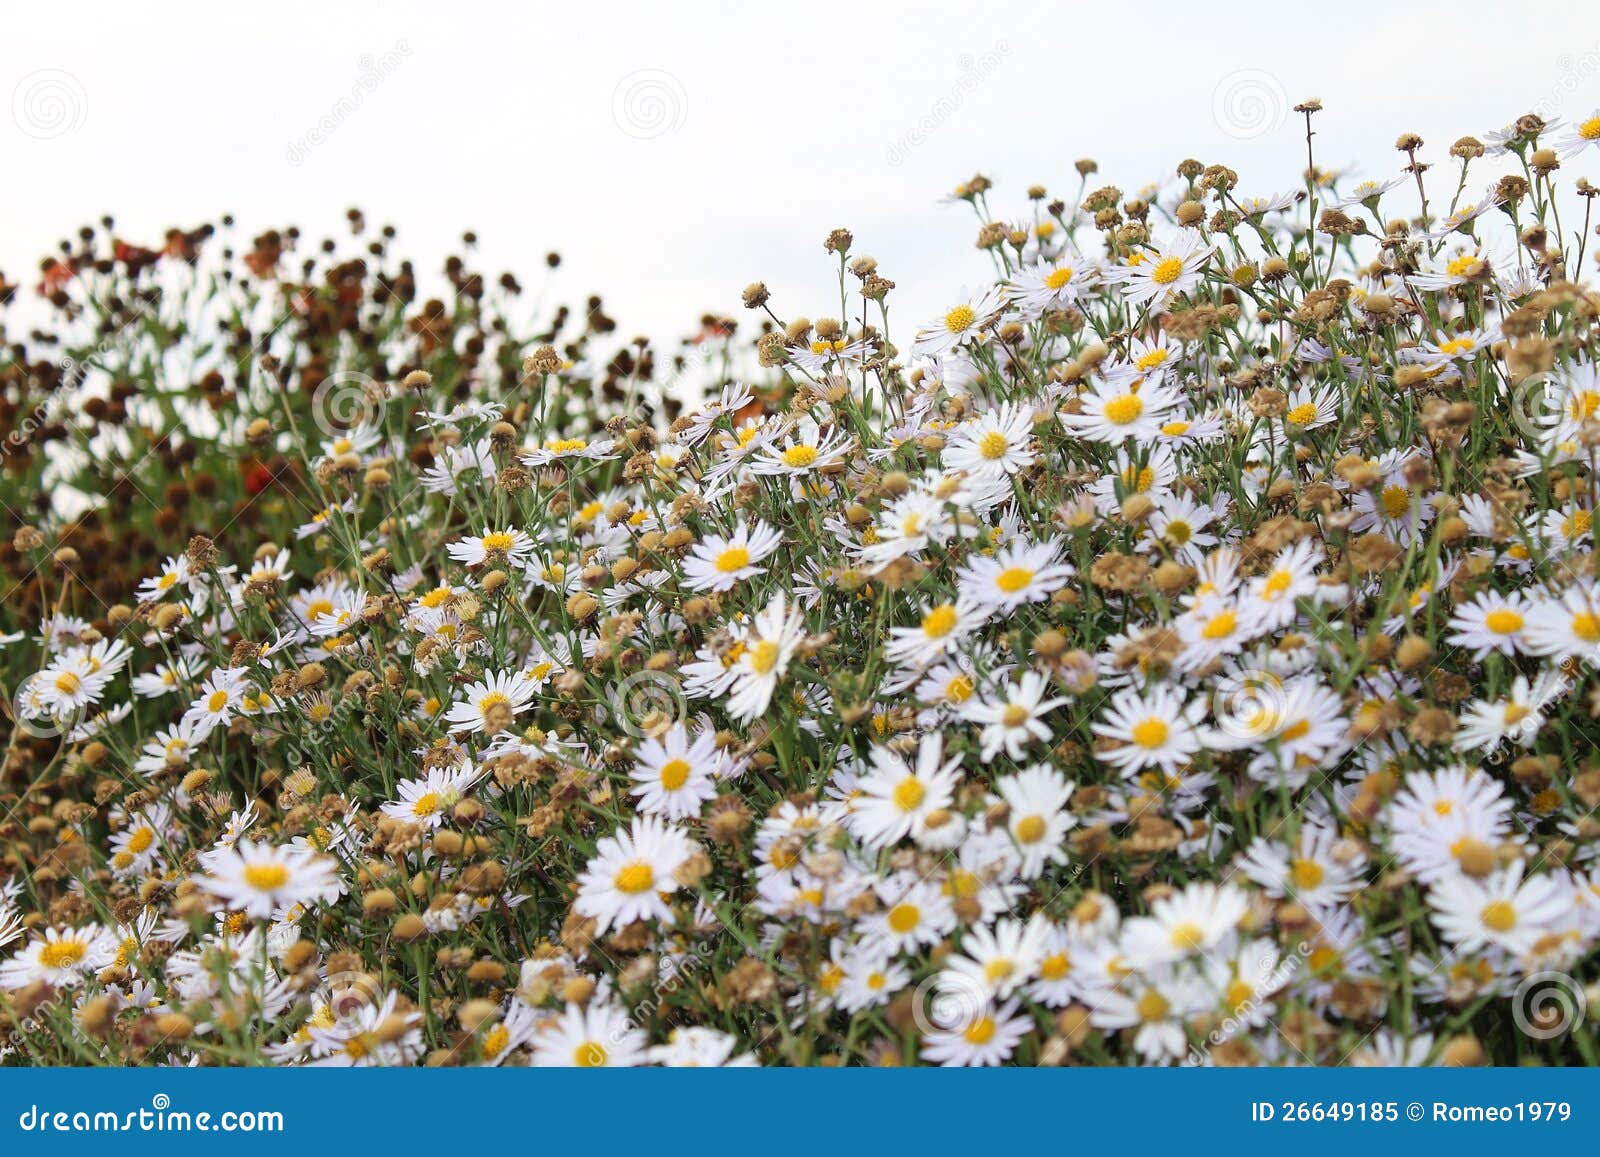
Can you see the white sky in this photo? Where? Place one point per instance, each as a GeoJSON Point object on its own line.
{"type": "Point", "coordinates": [774, 124]}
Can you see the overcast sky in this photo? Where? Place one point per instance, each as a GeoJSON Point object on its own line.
{"type": "Point", "coordinates": [675, 152]}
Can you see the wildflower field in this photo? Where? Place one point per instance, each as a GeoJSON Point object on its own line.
{"type": "Point", "coordinates": [1180, 651]}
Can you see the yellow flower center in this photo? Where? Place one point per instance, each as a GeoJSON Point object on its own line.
{"type": "Point", "coordinates": [1150, 733]}
{"type": "Point", "coordinates": [500, 540]}
{"type": "Point", "coordinates": [1138, 481]}
{"type": "Point", "coordinates": [1307, 874]}
{"type": "Point", "coordinates": [1152, 1006]}
{"type": "Point", "coordinates": [1167, 270]}
{"type": "Point", "coordinates": [1239, 994]}
{"type": "Point", "coordinates": [904, 917]}
{"type": "Point", "coordinates": [1589, 130]}
{"type": "Point", "coordinates": [993, 445]}
{"type": "Point", "coordinates": [1221, 626]}
{"type": "Point", "coordinates": [1179, 532]}
{"type": "Point", "coordinates": [674, 774]}
{"type": "Point", "coordinates": [960, 319]}
{"type": "Point", "coordinates": [591, 1054]}
{"type": "Point", "coordinates": [1058, 278]}
{"type": "Point", "coordinates": [1301, 415]}
{"type": "Point", "coordinates": [1503, 621]}
{"type": "Point", "coordinates": [62, 953]}
{"type": "Point", "coordinates": [1055, 967]}
{"type": "Point", "coordinates": [566, 445]}
{"type": "Point", "coordinates": [141, 840]}
{"type": "Point", "coordinates": [495, 1041]}
{"type": "Point", "coordinates": [799, 456]}
{"type": "Point", "coordinates": [1586, 626]}
{"type": "Point", "coordinates": [1013, 579]}
{"type": "Point", "coordinates": [909, 794]}
{"type": "Point", "coordinates": [980, 1031]}
{"type": "Point", "coordinates": [1499, 916]}
{"type": "Point", "coordinates": [939, 622]}
{"type": "Point", "coordinates": [959, 689]}
{"type": "Point", "coordinates": [491, 700]}
{"type": "Point", "coordinates": [1396, 501]}
{"type": "Point", "coordinates": [1124, 409]}
{"type": "Point", "coordinates": [732, 559]}
{"type": "Point", "coordinates": [426, 804]}
{"type": "Point", "coordinates": [635, 878]}
{"type": "Point", "coordinates": [68, 683]}
{"type": "Point", "coordinates": [1151, 360]}
{"type": "Point", "coordinates": [1175, 429]}
{"type": "Point", "coordinates": [1030, 829]}
{"type": "Point", "coordinates": [266, 877]}
{"type": "Point", "coordinates": [218, 700]}
{"type": "Point", "coordinates": [1188, 936]}
{"type": "Point", "coordinates": [764, 657]}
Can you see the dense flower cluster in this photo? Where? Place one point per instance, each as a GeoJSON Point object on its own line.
{"type": "Point", "coordinates": [1181, 650]}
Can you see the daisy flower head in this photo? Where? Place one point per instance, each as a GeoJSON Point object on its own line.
{"type": "Point", "coordinates": [60, 957]}
{"type": "Point", "coordinates": [983, 1039]}
{"type": "Point", "coordinates": [1012, 716]}
{"type": "Point", "coordinates": [564, 450]}
{"type": "Point", "coordinates": [631, 874]}
{"type": "Point", "coordinates": [895, 800]}
{"type": "Point", "coordinates": [1194, 920]}
{"type": "Point", "coordinates": [674, 777]}
{"type": "Point", "coordinates": [1054, 284]}
{"type": "Point", "coordinates": [764, 656]}
{"type": "Point", "coordinates": [1156, 729]}
{"type": "Point", "coordinates": [492, 546]}
{"type": "Point", "coordinates": [258, 878]}
{"type": "Point", "coordinates": [598, 1035]}
{"type": "Point", "coordinates": [1503, 910]}
{"type": "Point", "coordinates": [1037, 818]}
{"type": "Point", "coordinates": [963, 323]}
{"type": "Point", "coordinates": [718, 563]}
{"type": "Point", "coordinates": [1492, 623]}
{"type": "Point", "coordinates": [1119, 411]}
{"type": "Point", "coordinates": [492, 703]}
{"type": "Point", "coordinates": [1578, 136]}
{"type": "Point", "coordinates": [1166, 270]}
{"type": "Point", "coordinates": [997, 442]}
{"type": "Point", "coordinates": [1017, 574]}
